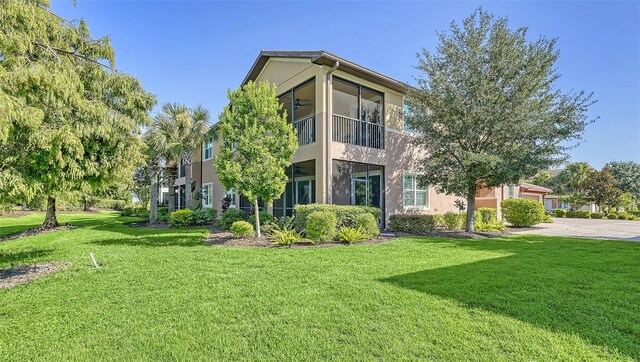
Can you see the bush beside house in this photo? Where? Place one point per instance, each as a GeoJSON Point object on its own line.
{"type": "Point", "coordinates": [522, 212]}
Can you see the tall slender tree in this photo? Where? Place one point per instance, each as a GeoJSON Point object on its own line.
{"type": "Point", "coordinates": [68, 120]}
{"type": "Point", "coordinates": [487, 111]}
{"type": "Point", "coordinates": [257, 144]}
{"type": "Point", "coordinates": [179, 131]}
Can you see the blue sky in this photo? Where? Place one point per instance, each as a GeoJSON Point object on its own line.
{"type": "Point", "coordinates": [192, 52]}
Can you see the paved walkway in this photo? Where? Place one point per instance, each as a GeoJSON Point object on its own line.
{"type": "Point", "coordinates": [589, 228]}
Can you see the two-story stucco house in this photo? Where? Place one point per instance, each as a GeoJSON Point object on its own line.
{"type": "Point", "coordinates": [354, 148]}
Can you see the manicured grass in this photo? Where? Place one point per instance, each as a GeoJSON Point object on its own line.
{"type": "Point", "coordinates": [162, 295]}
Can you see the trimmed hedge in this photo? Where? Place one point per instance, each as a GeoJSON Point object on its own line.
{"type": "Point", "coordinates": [230, 216]}
{"type": "Point", "coordinates": [612, 216]}
{"type": "Point", "coordinates": [560, 212]}
{"type": "Point", "coordinates": [487, 214]}
{"type": "Point", "coordinates": [583, 214]}
{"type": "Point", "coordinates": [241, 229]}
{"type": "Point", "coordinates": [369, 225]}
{"type": "Point", "coordinates": [204, 216]}
{"type": "Point", "coordinates": [522, 212]}
{"type": "Point", "coordinates": [181, 218]}
{"type": "Point", "coordinates": [321, 226]}
{"type": "Point", "coordinates": [597, 215]}
{"type": "Point", "coordinates": [265, 218]}
{"type": "Point", "coordinates": [345, 215]}
{"type": "Point", "coordinates": [454, 221]}
{"type": "Point", "coordinates": [570, 213]}
{"type": "Point", "coordinates": [414, 224]}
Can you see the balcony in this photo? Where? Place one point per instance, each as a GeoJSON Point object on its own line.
{"type": "Point", "coordinates": [306, 130]}
{"type": "Point", "coordinates": [356, 132]}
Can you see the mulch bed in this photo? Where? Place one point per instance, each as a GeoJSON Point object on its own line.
{"type": "Point", "coordinates": [219, 237]}
{"type": "Point", "coordinates": [36, 231]}
{"type": "Point", "coordinates": [10, 277]}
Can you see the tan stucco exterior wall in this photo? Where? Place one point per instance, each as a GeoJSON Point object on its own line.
{"type": "Point", "coordinates": [398, 157]}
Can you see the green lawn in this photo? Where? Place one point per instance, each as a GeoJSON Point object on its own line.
{"type": "Point", "coordinates": [162, 295]}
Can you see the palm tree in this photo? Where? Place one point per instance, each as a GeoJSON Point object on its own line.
{"type": "Point", "coordinates": [153, 159]}
{"type": "Point", "coordinates": [178, 132]}
{"type": "Point", "coordinates": [576, 176]}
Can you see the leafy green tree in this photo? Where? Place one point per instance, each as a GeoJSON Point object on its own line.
{"type": "Point", "coordinates": [628, 175]}
{"type": "Point", "coordinates": [602, 188]}
{"type": "Point", "coordinates": [542, 178]}
{"type": "Point", "coordinates": [576, 177]}
{"type": "Point", "coordinates": [153, 158]}
{"type": "Point", "coordinates": [576, 199]}
{"type": "Point", "coordinates": [625, 200]}
{"type": "Point", "coordinates": [486, 109]}
{"type": "Point", "coordinates": [179, 131]}
{"type": "Point", "coordinates": [257, 144]}
{"type": "Point", "coordinates": [69, 120]}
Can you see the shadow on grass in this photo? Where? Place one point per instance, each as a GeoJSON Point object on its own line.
{"type": "Point", "coordinates": [19, 257]}
{"type": "Point", "coordinates": [156, 239]}
{"type": "Point", "coordinates": [581, 287]}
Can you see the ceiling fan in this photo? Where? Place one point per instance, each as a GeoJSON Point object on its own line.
{"type": "Point", "coordinates": [298, 104]}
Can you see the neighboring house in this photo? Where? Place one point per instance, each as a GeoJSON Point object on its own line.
{"type": "Point", "coordinates": [552, 202]}
{"type": "Point", "coordinates": [354, 148]}
{"type": "Point", "coordinates": [493, 197]}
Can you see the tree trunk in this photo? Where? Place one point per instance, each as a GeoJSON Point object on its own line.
{"type": "Point", "coordinates": [187, 184]}
{"type": "Point", "coordinates": [50, 220]}
{"type": "Point", "coordinates": [85, 204]}
{"type": "Point", "coordinates": [471, 206]}
{"type": "Point", "coordinates": [257, 211]}
{"type": "Point", "coordinates": [24, 205]}
{"type": "Point", "coordinates": [153, 212]}
{"type": "Point", "coordinates": [172, 194]}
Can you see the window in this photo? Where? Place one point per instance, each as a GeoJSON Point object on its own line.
{"type": "Point", "coordinates": [406, 113]}
{"type": "Point", "coordinates": [512, 192]}
{"type": "Point", "coordinates": [415, 195]}
{"type": "Point", "coordinates": [207, 149]}
{"type": "Point", "coordinates": [207, 195]}
{"type": "Point", "coordinates": [299, 102]}
{"type": "Point", "coordinates": [231, 194]}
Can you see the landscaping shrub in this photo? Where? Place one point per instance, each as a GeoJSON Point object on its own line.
{"type": "Point", "coordinates": [570, 213]}
{"type": "Point", "coordinates": [283, 231]}
{"type": "Point", "coordinates": [321, 226]}
{"type": "Point", "coordinates": [487, 214]}
{"type": "Point", "coordinates": [127, 211]}
{"type": "Point", "coordinates": [597, 215]}
{"type": "Point", "coordinates": [522, 212]}
{"type": "Point", "coordinates": [612, 216]}
{"type": "Point", "coordinates": [230, 216]}
{"type": "Point", "coordinates": [163, 211]}
{"type": "Point", "coordinates": [492, 225]}
{"type": "Point", "coordinates": [583, 214]}
{"type": "Point", "coordinates": [454, 221]}
{"type": "Point", "coordinates": [622, 216]}
{"type": "Point", "coordinates": [265, 218]}
{"type": "Point", "coordinates": [351, 235]}
{"type": "Point", "coordinates": [241, 229]}
{"type": "Point", "coordinates": [181, 218]}
{"type": "Point", "coordinates": [140, 211]}
{"type": "Point", "coordinates": [163, 218]}
{"type": "Point", "coordinates": [414, 224]}
{"type": "Point", "coordinates": [369, 225]}
{"type": "Point", "coordinates": [345, 215]}
{"type": "Point", "coordinates": [560, 212]}
{"type": "Point", "coordinates": [547, 219]}
{"type": "Point", "coordinates": [204, 216]}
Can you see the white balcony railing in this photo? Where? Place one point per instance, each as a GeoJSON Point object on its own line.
{"type": "Point", "coordinates": [306, 130]}
{"type": "Point", "coordinates": [356, 132]}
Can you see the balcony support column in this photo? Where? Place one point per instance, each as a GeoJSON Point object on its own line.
{"type": "Point", "coordinates": [328, 168]}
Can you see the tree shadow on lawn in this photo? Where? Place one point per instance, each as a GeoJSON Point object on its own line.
{"type": "Point", "coordinates": [578, 286]}
{"type": "Point", "coordinates": [156, 238]}
{"type": "Point", "coordinates": [19, 257]}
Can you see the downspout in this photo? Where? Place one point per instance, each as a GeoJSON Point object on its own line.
{"type": "Point", "coordinates": [329, 129]}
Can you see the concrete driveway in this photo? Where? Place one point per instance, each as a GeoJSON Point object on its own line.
{"type": "Point", "coordinates": [589, 228]}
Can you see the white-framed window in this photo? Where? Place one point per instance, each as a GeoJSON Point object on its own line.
{"type": "Point", "coordinates": [512, 192]}
{"type": "Point", "coordinates": [207, 195]}
{"type": "Point", "coordinates": [405, 114]}
{"type": "Point", "coordinates": [416, 196]}
{"type": "Point", "coordinates": [231, 194]}
{"type": "Point", "coordinates": [207, 149]}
